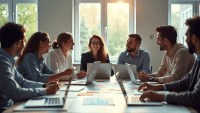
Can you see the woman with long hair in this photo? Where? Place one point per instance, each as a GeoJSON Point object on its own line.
{"type": "Point", "coordinates": [30, 64]}
{"type": "Point", "coordinates": [97, 52]}
{"type": "Point", "coordinates": [60, 58]}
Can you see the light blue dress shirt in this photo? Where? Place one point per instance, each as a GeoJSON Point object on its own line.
{"type": "Point", "coordinates": [142, 60]}
{"type": "Point", "coordinates": [13, 86]}
{"type": "Point", "coordinates": [33, 68]}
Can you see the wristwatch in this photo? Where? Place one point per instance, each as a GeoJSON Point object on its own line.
{"type": "Point", "coordinates": [151, 79]}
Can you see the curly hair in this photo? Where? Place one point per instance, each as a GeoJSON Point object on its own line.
{"type": "Point", "coordinates": [101, 55]}
{"type": "Point", "coordinates": [194, 25]}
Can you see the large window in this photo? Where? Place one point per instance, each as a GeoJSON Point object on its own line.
{"type": "Point", "coordinates": [179, 12]}
{"type": "Point", "coordinates": [23, 12]}
{"type": "Point", "coordinates": [111, 19]}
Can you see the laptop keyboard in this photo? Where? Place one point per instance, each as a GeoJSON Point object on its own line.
{"type": "Point", "coordinates": [135, 99]}
{"type": "Point", "coordinates": [52, 100]}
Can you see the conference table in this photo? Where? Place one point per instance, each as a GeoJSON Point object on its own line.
{"type": "Point", "coordinates": [109, 89]}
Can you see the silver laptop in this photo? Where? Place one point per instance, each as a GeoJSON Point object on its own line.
{"type": "Point", "coordinates": [49, 101]}
{"type": "Point", "coordinates": [135, 100]}
{"type": "Point", "coordinates": [121, 68]}
{"type": "Point", "coordinates": [104, 70]}
{"type": "Point", "coordinates": [132, 76]}
{"type": "Point", "coordinates": [91, 76]}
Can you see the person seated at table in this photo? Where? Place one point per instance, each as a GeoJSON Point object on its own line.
{"type": "Point", "coordinates": [97, 52]}
{"type": "Point", "coordinates": [177, 61]}
{"type": "Point", "coordinates": [30, 64]}
{"type": "Point", "coordinates": [60, 58]}
{"type": "Point", "coordinates": [13, 86]}
{"type": "Point", "coordinates": [135, 55]}
{"type": "Point", "coordinates": [190, 83]}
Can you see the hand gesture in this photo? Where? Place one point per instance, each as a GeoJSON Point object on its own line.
{"type": "Point", "coordinates": [146, 87]}
{"type": "Point", "coordinates": [52, 82]}
{"type": "Point", "coordinates": [68, 72]}
{"type": "Point", "coordinates": [81, 74]}
{"type": "Point", "coordinates": [153, 96]}
{"type": "Point", "coordinates": [143, 76]}
{"type": "Point", "coordinates": [52, 89]}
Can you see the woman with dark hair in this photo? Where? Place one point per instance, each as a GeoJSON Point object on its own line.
{"type": "Point", "coordinates": [59, 58]}
{"type": "Point", "coordinates": [97, 52]}
{"type": "Point", "coordinates": [30, 64]}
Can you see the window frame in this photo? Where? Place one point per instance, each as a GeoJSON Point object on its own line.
{"type": "Point", "coordinates": [76, 58]}
{"type": "Point", "coordinates": [194, 11]}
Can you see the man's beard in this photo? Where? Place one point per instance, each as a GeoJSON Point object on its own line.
{"type": "Point", "coordinates": [131, 49]}
{"type": "Point", "coordinates": [191, 47]}
{"type": "Point", "coordinates": [163, 47]}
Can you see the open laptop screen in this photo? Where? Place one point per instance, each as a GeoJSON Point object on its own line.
{"type": "Point", "coordinates": [121, 85]}
{"type": "Point", "coordinates": [70, 79]}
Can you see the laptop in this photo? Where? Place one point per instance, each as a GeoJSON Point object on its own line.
{"type": "Point", "coordinates": [104, 70]}
{"type": "Point", "coordinates": [132, 76]}
{"type": "Point", "coordinates": [135, 100]}
{"type": "Point", "coordinates": [123, 73]}
{"type": "Point", "coordinates": [49, 101]}
{"type": "Point", "coordinates": [90, 77]}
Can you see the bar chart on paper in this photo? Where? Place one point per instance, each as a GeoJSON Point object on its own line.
{"type": "Point", "coordinates": [99, 101]}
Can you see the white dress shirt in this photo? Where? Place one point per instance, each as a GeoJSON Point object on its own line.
{"type": "Point", "coordinates": [57, 62]}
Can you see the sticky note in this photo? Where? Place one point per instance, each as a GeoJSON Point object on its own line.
{"type": "Point", "coordinates": [99, 80]}
{"type": "Point", "coordinates": [95, 88]}
{"type": "Point", "coordinates": [85, 94]}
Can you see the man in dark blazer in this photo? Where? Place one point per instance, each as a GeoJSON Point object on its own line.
{"type": "Point", "coordinates": [190, 83]}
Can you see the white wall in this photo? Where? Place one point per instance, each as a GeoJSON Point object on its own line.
{"type": "Point", "coordinates": [55, 16]}
{"type": "Point", "coordinates": [149, 15]}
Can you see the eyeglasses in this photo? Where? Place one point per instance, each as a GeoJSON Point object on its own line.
{"type": "Point", "coordinates": [97, 43]}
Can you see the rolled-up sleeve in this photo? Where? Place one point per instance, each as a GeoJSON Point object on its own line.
{"type": "Point", "coordinates": [32, 70]}
{"type": "Point", "coordinates": [146, 66]}
{"type": "Point", "coordinates": [12, 89]}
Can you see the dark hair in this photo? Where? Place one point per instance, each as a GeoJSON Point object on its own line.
{"type": "Point", "coordinates": [32, 44]}
{"type": "Point", "coordinates": [101, 55]}
{"type": "Point", "coordinates": [168, 32]}
{"type": "Point", "coordinates": [194, 26]}
{"type": "Point", "coordinates": [62, 37]}
{"type": "Point", "coordinates": [10, 33]}
{"type": "Point", "coordinates": [137, 37]}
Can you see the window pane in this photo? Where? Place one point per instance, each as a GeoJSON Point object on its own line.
{"type": "Point", "coordinates": [3, 14]}
{"type": "Point", "coordinates": [89, 23]}
{"type": "Point", "coordinates": [118, 21]}
{"type": "Point", "coordinates": [179, 14]}
{"type": "Point", "coordinates": [27, 16]}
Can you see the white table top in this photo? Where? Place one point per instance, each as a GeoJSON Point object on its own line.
{"type": "Point", "coordinates": [111, 89]}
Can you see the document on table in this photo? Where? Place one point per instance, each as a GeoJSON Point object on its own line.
{"type": "Point", "coordinates": [98, 101]}
{"type": "Point", "coordinates": [136, 92]}
{"type": "Point", "coordinates": [72, 88]}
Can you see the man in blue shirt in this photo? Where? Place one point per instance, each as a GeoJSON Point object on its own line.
{"type": "Point", "coordinates": [13, 87]}
{"type": "Point", "coordinates": [190, 83]}
{"type": "Point", "coordinates": [135, 55]}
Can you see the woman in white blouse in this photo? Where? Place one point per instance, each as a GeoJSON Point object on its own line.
{"type": "Point", "coordinates": [59, 58]}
